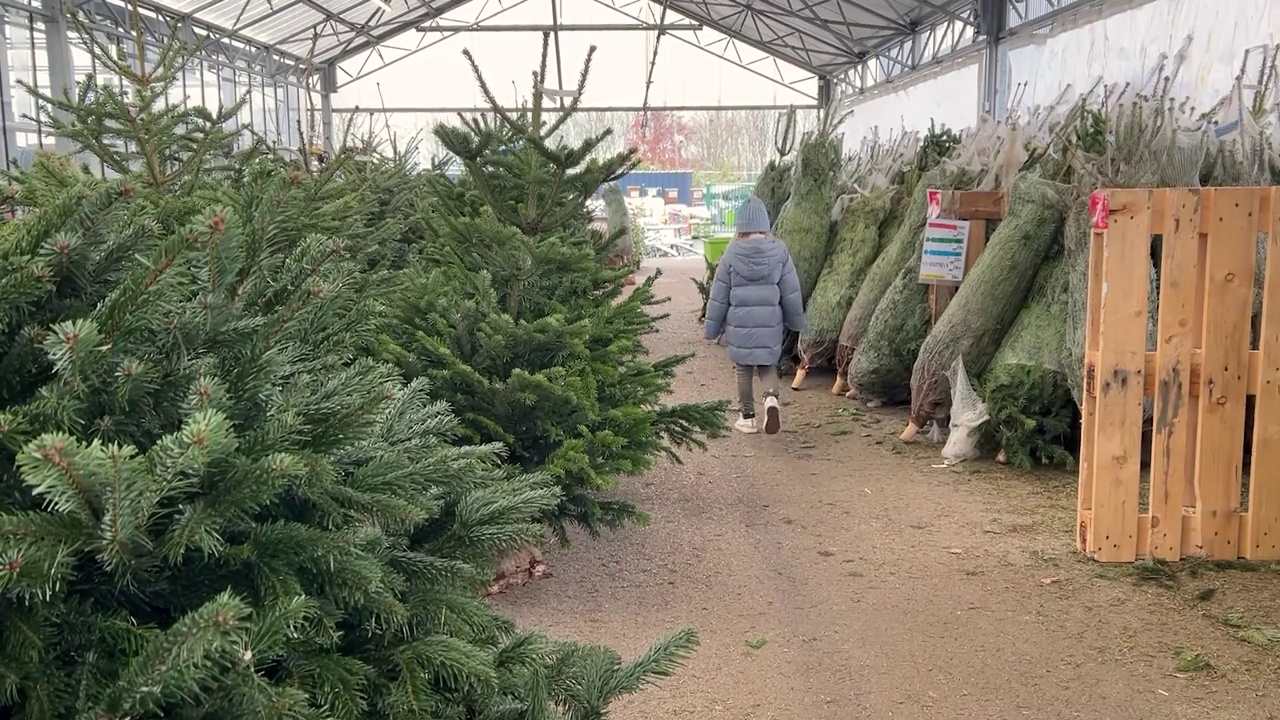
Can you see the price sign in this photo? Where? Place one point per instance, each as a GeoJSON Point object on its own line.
{"type": "Point", "coordinates": [945, 244]}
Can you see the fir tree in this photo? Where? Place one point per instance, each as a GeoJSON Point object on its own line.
{"type": "Point", "coordinates": [520, 323]}
{"type": "Point", "coordinates": [212, 503]}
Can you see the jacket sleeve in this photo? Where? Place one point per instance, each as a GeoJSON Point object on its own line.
{"type": "Point", "coordinates": [792, 300]}
{"type": "Point", "coordinates": [718, 302]}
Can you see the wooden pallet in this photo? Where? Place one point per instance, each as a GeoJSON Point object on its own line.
{"type": "Point", "coordinates": [1199, 377]}
{"type": "Point", "coordinates": [978, 207]}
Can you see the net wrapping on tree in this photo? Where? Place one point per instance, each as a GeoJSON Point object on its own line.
{"type": "Point", "coordinates": [896, 253]}
{"type": "Point", "coordinates": [1027, 385]}
{"type": "Point", "coordinates": [804, 223]}
{"type": "Point", "coordinates": [856, 247]}
{"type": "Point", "coordinates": [624, 252]}
{"type": "Point", "coordinates": [773, 187]}
{"type": "Point", "coordinates": [889, 317]}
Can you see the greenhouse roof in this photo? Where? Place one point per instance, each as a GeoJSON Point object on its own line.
{"type": "Point", "coordinates": [825, 37]}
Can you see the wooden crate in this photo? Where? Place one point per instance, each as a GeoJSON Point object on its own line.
{"type": "Point", "coordinates": [978, 207]}
{"type": "Point", "coordinates": [1199, 377]}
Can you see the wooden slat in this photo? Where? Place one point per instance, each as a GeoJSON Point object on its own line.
{"type": "Point", "coordinates": [973, 204]}
{"type": "Point", "coordinates": [1190, 529]}
{"type": "Point", "coordinates": [1122, 319]}
{"type": "Point", "coordinates": [1261, 527]}
{"type": "Point", "coordinates": [976, 244]}
{"type": "Point", "coordinates": [1173, 433]}
{"type": "Point", "coordinates": [1253, 378]}
{"type": "Point", "coordinates": [939, 298]}
{"type": "Point", "coordinates": [1229, 217]}
{"type": "Point", "coordinates": [1089, 399]}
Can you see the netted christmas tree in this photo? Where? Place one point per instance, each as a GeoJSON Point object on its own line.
{"type": "Point", "coordinates": [519, 319]}
{"type": "Point", "coordinates": [212, 503]}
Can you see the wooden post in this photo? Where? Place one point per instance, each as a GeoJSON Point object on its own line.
{"type": "Point", "coordinates": [978, 207]}
{"type": "Point", "coordinates": [1261, 528]}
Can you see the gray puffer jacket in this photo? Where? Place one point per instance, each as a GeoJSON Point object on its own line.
{"type": "Point", "coordinates": [754, 299]}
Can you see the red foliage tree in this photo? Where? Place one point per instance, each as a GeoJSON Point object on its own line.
{"type": "Point", "coordinates": [661, 140]}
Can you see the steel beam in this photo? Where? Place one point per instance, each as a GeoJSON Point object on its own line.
{"type": "Point", "coordinates": [948, 34]}
{"type": "Point", "coordinates": [730, 38]}
{"type": "Point", "coordinates": [62, 66]}
{"type": "Point", "coordinates": [623, 27]}
{"type": "Point", "coordinates": [993, 26]}
{"type": "Point", "coordinates": [553, 109]}
{"type": "Point", "coordinates": [328, 86]}
{"type": "Point", "coordinates": [361, 73]}
{"type": "Point", "coordinates": [217, 45]}
{"type": "Point", "coordinates": [947, 41]}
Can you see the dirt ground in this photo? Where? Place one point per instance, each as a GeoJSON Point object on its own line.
{"type": "Point", "coordinates": [834, 572]}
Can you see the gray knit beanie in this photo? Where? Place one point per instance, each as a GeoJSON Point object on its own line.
{"type": "Point", "coordinates": [752, 217]}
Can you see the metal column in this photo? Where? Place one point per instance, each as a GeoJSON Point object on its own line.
{"type": "Point", "coordinates": [993, 26]}
{"type": "Point", "coordinates": [10, 146]}
{"type": "Point", "coordinates": [328, 86]}
{"type": "Point", "coordinates": [62, 69]}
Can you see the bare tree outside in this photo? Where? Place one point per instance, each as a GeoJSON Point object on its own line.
{"type": "Point", "coordinates": [728, 143]}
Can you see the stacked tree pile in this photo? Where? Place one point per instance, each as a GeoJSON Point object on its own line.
{"type": "Point", "coordinates": [1129, 138]}
{"type": "Point", "coordinates": [213, 502]}
{"type": "Point", "coordinates": [870, 178]}
{"type": "Point", "coordinates": [1017, 322]}
{"type": "Point", "coordinates": [990, 298]}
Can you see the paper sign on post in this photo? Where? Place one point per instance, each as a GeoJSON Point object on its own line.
{"type": "Point", "coordinates": [946, 242]}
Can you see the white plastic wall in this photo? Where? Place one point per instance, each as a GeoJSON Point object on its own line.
{"type": "Point", "coordinates": [1115, 47]}
{"type": "Point", "coordinates": [948, 96]}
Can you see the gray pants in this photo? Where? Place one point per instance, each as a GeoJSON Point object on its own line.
{"type": "Point", "coordinates": [746, 393]}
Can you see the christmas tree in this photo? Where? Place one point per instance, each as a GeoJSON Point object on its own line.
{"type": "Point", "coordinates": [518, 320]}
{"type": "Point", "coordinates": [213, 504]}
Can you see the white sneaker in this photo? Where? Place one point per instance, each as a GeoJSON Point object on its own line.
{"type": "Point", "coordinates": [772, 415]}
{"type": "Point", "coordinates": [746, 425]}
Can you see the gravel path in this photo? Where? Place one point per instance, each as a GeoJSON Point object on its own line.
{"type": "Point", "coordinates": [835, 573]}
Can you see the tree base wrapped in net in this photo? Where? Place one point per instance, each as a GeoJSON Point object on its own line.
{"type": "Point", "coordinates": [990, 298]}
{"type": "Point", "coordinates": [804, 224]}
{"type": "Point", "coordinates": [1034, 418]}
{"type": "Point", "coordinates": [856, 248]}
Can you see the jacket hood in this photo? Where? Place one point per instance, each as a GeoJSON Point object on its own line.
{"type": "Point", "coordinates": [756, 259]}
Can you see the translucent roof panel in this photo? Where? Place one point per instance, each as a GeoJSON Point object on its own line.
{"type": "Point", "coordinates": [320, 30]}
{"type": "Point", "coordinates": [823, 36]}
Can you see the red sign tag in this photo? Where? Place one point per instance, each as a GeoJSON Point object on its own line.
{"type": "Point", "coordinates": [935, 203]}
{"type": "Point", "coordinates": [1100, 210]}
